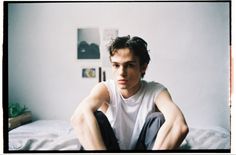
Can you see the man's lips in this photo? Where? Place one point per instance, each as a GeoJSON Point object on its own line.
{"type": "Point", "coordinates": [122, 81]}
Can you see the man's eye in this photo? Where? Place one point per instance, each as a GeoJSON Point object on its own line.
{"type": "Point", "coordinates": [130, 65]}
{"type": "Point", "coordinates": [115, 65]}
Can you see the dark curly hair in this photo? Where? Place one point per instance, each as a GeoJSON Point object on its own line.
{"type": "Point", "coordinates": [135, 44]}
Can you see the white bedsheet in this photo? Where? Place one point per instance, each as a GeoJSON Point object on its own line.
{"type": "Point", "coordinates": [198, 139]}
{"type": "Point", "coordinates": [59, 135]}
{"type": "Point", "coordinates": [44, 135]}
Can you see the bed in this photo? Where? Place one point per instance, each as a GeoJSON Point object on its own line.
{"type": "Point", "coordinates": [59, 135]}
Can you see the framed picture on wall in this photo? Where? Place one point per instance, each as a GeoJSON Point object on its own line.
{"type": "Point", "coordinates": [88, 42]}
{"type": "Point", "coordinates": [88, 72]}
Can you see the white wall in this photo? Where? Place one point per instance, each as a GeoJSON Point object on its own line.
{"type": "Point", "coordinates": [188, 42]}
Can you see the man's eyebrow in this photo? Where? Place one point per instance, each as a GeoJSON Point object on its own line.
{"type": "Point", "coordinates": [127, 62]}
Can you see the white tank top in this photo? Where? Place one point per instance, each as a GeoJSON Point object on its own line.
{"type": "Point", "coordinates": [127, 116]}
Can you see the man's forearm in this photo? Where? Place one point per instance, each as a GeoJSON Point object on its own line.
{"type": "Point", "coordinates": [162, 137]}
{"type": "Point", "coordinates": [88, 132]}
{"type": "Point", "coordinates": [170, 136]}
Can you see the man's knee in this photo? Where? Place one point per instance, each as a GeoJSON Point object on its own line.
{"type": "Point", "coordinates": [101, 118]}
{"type": "Point", "coordinates": [99, 115]}
{"type": "Point", "coordinates": [150, 129]}
{"type": "Point", "coordinates": [154, 123]}
{"type": "Point", "coordinates": [156, 117]}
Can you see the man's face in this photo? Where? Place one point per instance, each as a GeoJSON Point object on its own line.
{"type": "Point", "coordinates": [126, 69]}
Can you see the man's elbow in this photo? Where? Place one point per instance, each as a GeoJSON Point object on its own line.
{"type": "Point", "coordinates": [184, 130]}
{"type": "Point", "coordinates": [181, 128]}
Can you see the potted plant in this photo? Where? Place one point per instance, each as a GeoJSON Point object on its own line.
{"type": "Point", "coordinates": [18, 115]}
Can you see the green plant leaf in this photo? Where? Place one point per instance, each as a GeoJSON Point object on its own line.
{"type": "Point", "coordinates": [15, 109]}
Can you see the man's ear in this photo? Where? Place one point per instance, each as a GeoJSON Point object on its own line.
{"type": "Point", "coordinates": [144, 68]}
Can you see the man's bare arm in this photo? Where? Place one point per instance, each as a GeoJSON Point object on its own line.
{"type": "Point", "coordinates": [84, 121]}
{"type": "Point", "coordinates": [175, 129]}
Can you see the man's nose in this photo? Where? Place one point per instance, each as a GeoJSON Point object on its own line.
{"type": "Point", "coordinates": [122, 71]}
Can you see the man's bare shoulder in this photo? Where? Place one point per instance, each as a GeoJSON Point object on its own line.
{"type": "Point", "coordinates": [97, 96]}
{"type": "Point", "coordinates": [100, 91]}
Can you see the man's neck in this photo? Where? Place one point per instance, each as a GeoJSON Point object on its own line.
{"type": "Point", "coordinates": [126, 93]}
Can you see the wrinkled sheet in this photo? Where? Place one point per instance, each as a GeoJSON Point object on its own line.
{"type": "Point", "coordinates": [59, 135]}
{"type": "Point", "coordinates": [204, 139]}
{"type": "Point", "coordinates": [44, 135]}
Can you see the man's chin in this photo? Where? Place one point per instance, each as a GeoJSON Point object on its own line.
{"type": "Point", "coordinates": [122, 86]}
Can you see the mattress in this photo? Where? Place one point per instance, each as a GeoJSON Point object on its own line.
{"type": "Point", "coordinates": [59, 135]}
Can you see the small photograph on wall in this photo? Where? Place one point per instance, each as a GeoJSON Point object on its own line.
{"type": "Point", "coordinates": [88, 72]}
{"type": "Point", "coordinates": [88, 42]}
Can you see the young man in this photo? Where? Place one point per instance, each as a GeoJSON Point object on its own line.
{"type": "Point", "coordinates": [127, 112]}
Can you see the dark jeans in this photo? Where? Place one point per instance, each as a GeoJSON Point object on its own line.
{"type": "Point", "coordinates": [146, 138]}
